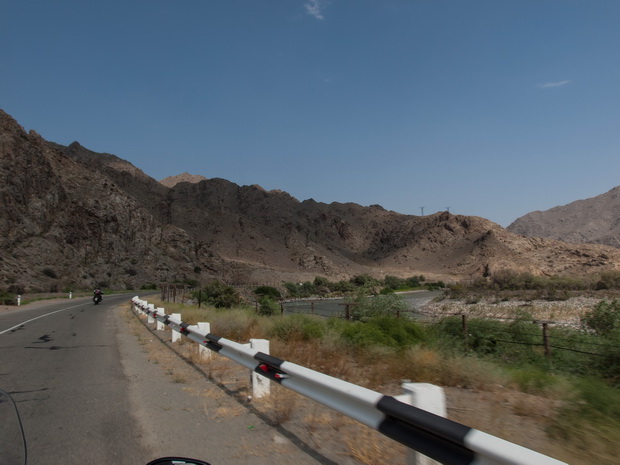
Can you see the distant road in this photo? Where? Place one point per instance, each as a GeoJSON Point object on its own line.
{"type": "Point", "coordinates": [330, 307]}
{"type": "Point", "coordinates": [61, 364]}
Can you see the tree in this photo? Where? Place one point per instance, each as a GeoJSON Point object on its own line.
{"type": "Point", "coordinates": [393, 282]}
{"type": "Point", "coordinates": [268, 291]}
{"type": "Point", "coordinates": [218, 294]}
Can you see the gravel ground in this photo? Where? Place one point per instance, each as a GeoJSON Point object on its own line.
{"type": "Point", "coordinates": [562, 312]}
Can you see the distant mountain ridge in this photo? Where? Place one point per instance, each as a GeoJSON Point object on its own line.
{"type": "Point", "coordinates": [72, 218]}
{"type": "Point", "coordinates": [172, 181]}
{"type": "Point", "coordinates": [591, 221]}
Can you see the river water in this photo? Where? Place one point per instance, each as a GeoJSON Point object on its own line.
{"type": "Point", "coordinates": [333, 307]}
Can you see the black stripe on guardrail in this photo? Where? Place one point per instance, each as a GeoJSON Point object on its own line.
{"type": "Point", "coordinates": [269, 359]}
{"type": "Point", "coordinates": [212, 342]}
{"type": "Point", "coordinates": [435, 447]}
{"type": "Point", "coordinates": [269, 367]}
{"type": "Point", "coordinates": [434, 436]}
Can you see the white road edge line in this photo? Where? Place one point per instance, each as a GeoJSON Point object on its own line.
{"type": "Point", "coordinates": [42, 316]}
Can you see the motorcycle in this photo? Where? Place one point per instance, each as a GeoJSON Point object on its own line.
{"type": "Point", "coordinates": [97, 298]}
{"type": "Point", "coordinates": [13, 449]}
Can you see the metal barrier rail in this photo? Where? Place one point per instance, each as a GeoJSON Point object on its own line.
{"type": "Point", "coordinates": [444, 440]}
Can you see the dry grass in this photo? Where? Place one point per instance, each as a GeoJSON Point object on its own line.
{"type": "Point", "coordinates": [479, 394]}
{"type": "Point", "coordinates": [369, 447]}
{"type": "Point", "coordinates": [279, 406]}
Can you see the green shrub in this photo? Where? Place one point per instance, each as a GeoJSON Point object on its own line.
{"type": "Point", "coordinates": [267, 306]}
{"type": "Point", "coordinates": [609, 280]}
{"type": "Point", "coordinates": [218, 294]}
{"type": "Point", "coordinates": [363, 280]}
{"type": "Point", "coordinates": [367, 307]}
{"type": "Point", "coordinates": [305, 289]}
{"type": "Point", "coordinates": [7, 298]}
{"type": "Point", "coordinates": [604, 319]}
{"type": "Point", "coordinates": [591, 416]}
{"type": "Point", "coordinates": [343, 286]}
{"type": "Point", "coordinates": [384, 331]}
{"type": "Point", "coordinates": [364, 334]}
{"type": "Point", "coordinates": [393, 282]}
{"type": "Point", "coordinates": [268, 291]}
{"type": "Point", "coordinates": [297, 327]}
{"type": "Point", "coordinates": [533, 380]}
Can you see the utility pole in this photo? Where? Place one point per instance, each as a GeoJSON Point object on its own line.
{"type": "Point", "coordinates": [422, 209]}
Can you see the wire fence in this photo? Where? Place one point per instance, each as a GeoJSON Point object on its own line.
{"type": "Point", "coordinates": [548, 336]}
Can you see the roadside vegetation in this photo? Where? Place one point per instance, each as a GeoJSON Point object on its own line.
{"type": "Point", "coordinates": [578, 376]}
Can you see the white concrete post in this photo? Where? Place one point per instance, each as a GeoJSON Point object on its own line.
{"type": "Point", "coordinates": [260, 385]}
{"type": "Point", "coordinates": [160, 326]}
{"type": "Point", "coordinates": [427, 397]}
{"type": "Point", "coordinates": [19, 300]}
{"type": "Point", "coordinates": [71, 295]}
{"type": "Point", "coordinates": [203, 352]}
{"type": "Point", "coordinates": [176, 336]}
{"type": "Point", "coordinates": [150, 319]}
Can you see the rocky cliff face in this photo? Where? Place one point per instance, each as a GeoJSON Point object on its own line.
{"type": "Point", "coordinates": [70, 217]}
{"type": "Point", "coordinates": [64, 224]}
{"type": "Point", "coordinates": [595, 220]}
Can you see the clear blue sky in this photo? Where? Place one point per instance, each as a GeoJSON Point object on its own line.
{"type": "Point", "coordinates": [492, 108]}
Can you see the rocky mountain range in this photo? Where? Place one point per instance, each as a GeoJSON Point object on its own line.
{"type": "Point", "coordinates": [591, 221]}
{"type": "Point", "coordinates": [73, 218]}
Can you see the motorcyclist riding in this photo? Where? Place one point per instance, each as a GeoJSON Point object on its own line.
{"type": "Point", "coordinates": [97, 296]}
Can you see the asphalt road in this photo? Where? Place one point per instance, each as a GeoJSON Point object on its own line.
{"type": "Point", "coordinates": [90, 391]}
{"type": "Point", "coordinates": [61, 364]}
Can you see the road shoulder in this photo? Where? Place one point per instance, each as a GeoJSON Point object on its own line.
{"type": "Point", "coordinates": [183, 413]}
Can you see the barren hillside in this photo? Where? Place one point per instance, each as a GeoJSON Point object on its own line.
{"type": "Point", "coordinates": [71, 217]}
{"type": "Point", "coordinates": [595, 220]}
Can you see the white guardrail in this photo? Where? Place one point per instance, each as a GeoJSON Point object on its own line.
{"type": "Point", "coordinates": [441, 439]}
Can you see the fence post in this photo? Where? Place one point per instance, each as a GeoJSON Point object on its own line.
{"type": "Point", "coordinates": [175, 334]}
{"type": "Point", "coordinates": [465, 331]}
{"type": "Point", "coordinates": [426, 397]}
{"type": "Point", "coordinates": [203, 352]}
{"type": "Point", "coordinates": [547, 345]}
{"type": "Point", "coordinates": [260, 384]}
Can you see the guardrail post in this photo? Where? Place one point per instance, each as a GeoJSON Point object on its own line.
{"type": "Point", "coordinates": [150, 319]}
{"type": "Point", "coordinates": [260, 385]}
{"type": "Point", "coordinates": [175, 334]}
{"type": "Point", "coordinates": [19, 300]}
{"type": "Point", "coordinates": [160, 326]}
{"type": "Point", "coordinates": [427, 397]}
{"type": "Point", "coordinates": [203, 352]}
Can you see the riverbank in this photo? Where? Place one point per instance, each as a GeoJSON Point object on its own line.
{"type": "Point", "coordinates": [562, 312]}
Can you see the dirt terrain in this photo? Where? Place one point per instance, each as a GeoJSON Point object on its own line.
{"type": "Point", "coordinates": [73, 219]}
